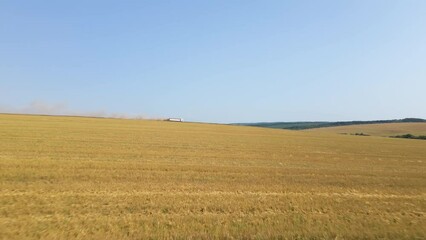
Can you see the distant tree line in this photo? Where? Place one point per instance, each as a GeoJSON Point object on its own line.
{"type": "Point", "coordinates": [411, 136]}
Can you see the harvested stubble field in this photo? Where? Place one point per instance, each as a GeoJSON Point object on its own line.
{"type": "Point", "coordinates": [88, 178]}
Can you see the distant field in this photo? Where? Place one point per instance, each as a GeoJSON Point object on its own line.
{"type": "Point", "coordinates": [311, 125]}
{"type": "Point", "coordinates": [384, 129]}
{"type": "Point", "coordinates": [87, 178]}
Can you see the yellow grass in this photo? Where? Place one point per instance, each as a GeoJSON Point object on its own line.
{"type": "Point", "coordinates": [383, 129]}
{"type": "Point", "coordinates": [87, 178]}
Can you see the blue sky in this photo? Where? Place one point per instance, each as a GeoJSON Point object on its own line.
{"type": "Point", "coordinates": [215, 61]}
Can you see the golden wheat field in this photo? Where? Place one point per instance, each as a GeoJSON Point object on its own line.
{"type": "Point", "coordinates": [383, 129]}
{"type": "Point", "coordinates": [89, 178]}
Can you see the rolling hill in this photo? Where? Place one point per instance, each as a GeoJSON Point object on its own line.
{"type": "Point", "coordinates": [309, 125]}
{"type": "Point", "coordinates": [384, 130]}
{"type": "Point", "coordinates": [92, 178]}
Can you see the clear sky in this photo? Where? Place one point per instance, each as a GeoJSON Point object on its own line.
{"type": "Point", "coordinates": [215, 61]}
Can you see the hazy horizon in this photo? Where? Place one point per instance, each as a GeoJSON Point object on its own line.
{"type": "Point", "coordinates": [38, 109]}
{"type": "Point", "coordinates": [221, 61]}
